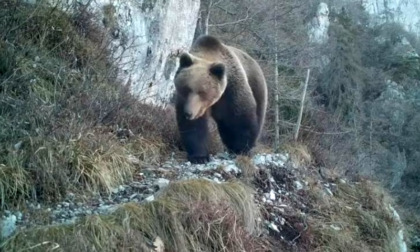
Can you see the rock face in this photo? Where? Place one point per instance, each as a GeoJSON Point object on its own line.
{"type": "Point", "coordinates": [318, 27]}
{"type": "Point", "coordinates": [150, 33]}
{"type": "Point", "coordinates": [406, 12]}
{"type": "Point", "coordinates": [147, 36]}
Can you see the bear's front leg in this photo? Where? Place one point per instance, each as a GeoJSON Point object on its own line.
{"type": "Point", "coordinates": [239, 133]}
{"type": "Point", "coordinates": [194, 137]}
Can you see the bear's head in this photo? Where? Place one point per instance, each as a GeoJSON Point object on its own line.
{"type": "Point", "coordinates": [199, 84]}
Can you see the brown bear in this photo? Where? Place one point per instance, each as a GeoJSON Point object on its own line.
{"type": "Point", "coordinates": [224, 82]}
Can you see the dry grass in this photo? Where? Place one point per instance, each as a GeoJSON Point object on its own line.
{"type": "Point", "coordinates": [61, 104]}
{"type": "Point", "coordinates": [356, 218]}
{"type": "Point", "coordinates": [299, 153]}
{"type": "Point", "coordinates": [247, 167]}
{"type": "Point", "coordinates": [194, 215]}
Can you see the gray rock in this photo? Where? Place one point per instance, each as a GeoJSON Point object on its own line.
{"type": "Point", "coordinates": [19, 216]}
{"type": "Point", "coordinates": [150, 198]}
{"type": "Point", "coordinates": [162, 183]}
{"type": "Point", "coordinates": [8, 226]}
{"type": "Point", "coordinates": [298, 185]}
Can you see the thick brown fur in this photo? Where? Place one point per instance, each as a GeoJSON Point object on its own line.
{"type": "Point", "coordinates": [224, 82]}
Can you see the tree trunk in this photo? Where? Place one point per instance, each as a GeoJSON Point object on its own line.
{"type": "Point", "coordinates": [276, 84]}
{"type": "Point", "coordinates": [302, 104]}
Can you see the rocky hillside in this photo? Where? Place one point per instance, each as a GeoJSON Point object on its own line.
{"type": "Point", "coordinates": [268, 203]}
{"type": "Point", "coordinates": [86, 164]}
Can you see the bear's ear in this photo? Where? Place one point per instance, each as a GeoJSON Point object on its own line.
{"type": "Point", "coordinates": [185, 60]}
{"type": "Point", "coordinates": [218, 70]}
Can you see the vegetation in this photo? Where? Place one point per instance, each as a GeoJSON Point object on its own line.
{"type": "Point", "coordinates": [195, 215]}
{"type": "Point", "coordinates": [63, 109]}
{"type": "Point", "coordinates": [68, 123]}
{"type": "Point", "coordinates": [358, 219]}
{"type": "Point", "coordinates": [363, 93]}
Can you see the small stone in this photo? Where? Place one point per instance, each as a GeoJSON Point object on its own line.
{"type": "Point", "coordinates": [283, 157]}
{"type": "Point", "coordinates": [259, 159]}
{"type": "Point", "coordinates": [272, 195]}
{"type": "Point", "coordinates": [132, 159]}
{"type": "Point", "coordinates": [19, 216]}
{"type": "Point", "coordinates": [18, 145]}
{"type": "Point", "coordinates": [231, 168]}
{"type": "Point", "coordinates": [150, 198]}
{"type": "Point", "coordinates": [8, 226]}
{"type": "Point", "coordinates": [218, 175]}
{"type": "Point", "coordinates": [329, 192]}
{"type": "Point", "coordinates": [298, 185]}
{"type": "Point", "coordinates": [335, 227]}
{"type": "Point", "coordinates": [162, 183]}
{"type": "Point", "coordinates": [274, 227]}
{"type": "Point", "coordinates": [149, 191]}
{"type": "Point", "coordinates": [282, 221]}
{"type": "Point", "coordinates": [66, 204]}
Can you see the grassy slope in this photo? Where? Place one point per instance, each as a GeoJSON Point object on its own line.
{"type": "Point", "coordinates": [60, 104]}
{"type": "Point", "coordinates": [60, 107]}
{"type": "Point", "coordinates": [176, 217]}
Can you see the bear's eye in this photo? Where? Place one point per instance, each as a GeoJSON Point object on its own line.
{"type": "Point", "coordinates": [201, 93]}
{"type": "Point", "coordinates": [184, 90]}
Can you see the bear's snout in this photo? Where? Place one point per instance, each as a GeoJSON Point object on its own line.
{"type": "Point", "coordinates": [188, 115]}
